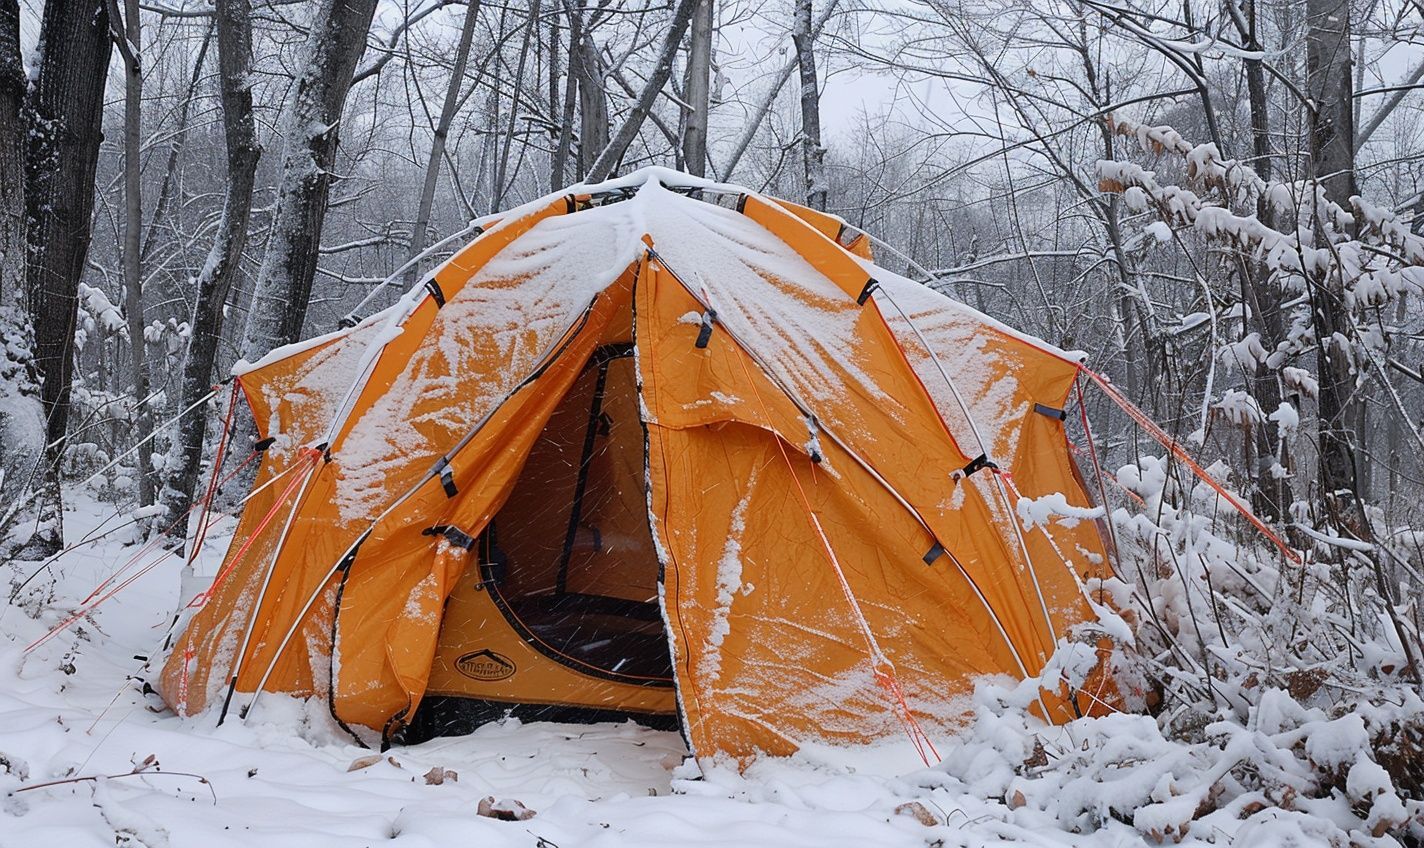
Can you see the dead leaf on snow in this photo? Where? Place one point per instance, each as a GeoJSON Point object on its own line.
{"type": "Point", "coordinates": [440, 774]}
{"type": "Point", "coordinates": [917, 811]}
{"type": "Point", "coordinates": [504, 810]}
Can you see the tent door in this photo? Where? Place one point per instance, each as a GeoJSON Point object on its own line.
{"type": "Point", "coordinates": [570, 559]}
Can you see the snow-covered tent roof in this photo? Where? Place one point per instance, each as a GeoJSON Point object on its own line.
{"type": "Point", "coordinates": [812, 425]}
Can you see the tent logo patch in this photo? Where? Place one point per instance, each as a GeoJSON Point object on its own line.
{"type": "Point", "coordinates": [485, 665]}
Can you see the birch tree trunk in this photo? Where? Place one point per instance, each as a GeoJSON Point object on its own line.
{"type": "Point", "coordinates": [234, 28]}
{"type": "Point", "coordinates": [699, 73]}
{"type": "Point", "coordinates": [768, 99]}
{"type": "Point", "coordinates": [812, 153]}
{"type": "Point", "coordinates": [612, 155]}
{"type": "Point", "coordinates": [554, 101]}
{"type": "Point", "coordinates": [1329, 86]}
{"type": "Point", "coordinates": [311, 129]}
{"type": "Point", "coordinates": [442, 132]}
{"type": "Point", "coordinates": [131, 48]}
{"type": "Point", "coordinates": [64, 111]}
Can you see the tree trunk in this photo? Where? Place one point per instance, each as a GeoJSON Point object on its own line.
{"type": "Point", "coordinates": [612, 155]}
{"type": "Point", "coordinates": [553, 99]}
{"type": "Point", "coordinates": [142, 411]}
{"type": "Point", "coordinates": [309, 143]}
{"type": "Point", "coordinates": [1272, 494]}
{"type": "Point", "coordinates": [768, 99]}
{"type": "Point", "coordinates": [12, 156]}
{"type": "Point", "coordinates": [64, 111]}
{"type": "Point", "coordinates": [812, 153]}
{"type": "Point", "coordinates": [22, 422]}
{"type": "Point", "coordinates": [1332, 163]}
{"type": "Point", "coordinates": [500, 185]}
{"type": "Point", "coordinates": [558, 168]}
{"type": "Point", "coordinates": [442, 132]}
{"type": "Point", "coordinates": [234, 26]}
{"type": "Point", "coordinates": [699, 73]}
{"type": "Point", "coordinates": [585, 67]}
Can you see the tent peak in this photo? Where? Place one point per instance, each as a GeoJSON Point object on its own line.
{"type": "Point", "coordinates": [667, 177]}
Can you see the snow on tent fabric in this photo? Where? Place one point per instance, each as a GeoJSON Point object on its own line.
{"type": "Point", "coordinates": [633, 452]}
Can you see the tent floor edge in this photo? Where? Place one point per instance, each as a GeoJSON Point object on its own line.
{"type": "Point", "coordinates": [449, 715]}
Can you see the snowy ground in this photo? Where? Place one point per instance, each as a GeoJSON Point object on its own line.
{"type": "Point", "coordinates": [285, 779]}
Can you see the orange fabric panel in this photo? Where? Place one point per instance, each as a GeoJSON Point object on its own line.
{"type": "Point", "coordinates": [894, 427]}
{"type": "Point", "coordinates": [687, 388]}
{"type": "Point", "coordinates": [376, 679]}
{"type": "Point", "coordinates": [291, 400]}
{"type": "Point", "coordinates": [825, 223]}
{"type": "Point", "coordinates": [488, 336]}
{"type": "Point", "coordinates": [473, 624]}
{"type": "Point", "coordinates": [410, 639]}
{"type": "Point", "coordinates": [417, 327]}
{"type": "Point", "coordinates": [831, 226]}
{"type": "Point", "coordinates": [684, 386]}
{"type": "Point", "coordinates": [1002, 378]}
{"type": "Point", "coordinates": [303, 398]}
{"type": "Point", "coordinates": [769, 652]}
{"type": "Point", "coordinates": [294, 399]}
{"type": "Point", "coordinates": [765, 667]}
{"type": "Point", "coordinates": [1021, 593]}
{"type": "Point", "coordinates": [798, 232]}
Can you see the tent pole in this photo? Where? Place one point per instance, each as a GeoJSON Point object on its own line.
{"type": "Point", "coordinates": [352, 318]}
{"type": "Point", "coordinates": [860, 461]}
{"type": "Point", "coordinates": [549, 356]}
{"type": "Point", "coordinates": [983, 449]}
{"type": "Point", "coordinates": [313, 459]}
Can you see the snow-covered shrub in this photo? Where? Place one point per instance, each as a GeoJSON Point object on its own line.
{"type": "Point", "coordinates": [1282, 771]}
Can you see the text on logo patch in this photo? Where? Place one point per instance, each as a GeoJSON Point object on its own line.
{"type": "Point", "coordinates": [485, 665]}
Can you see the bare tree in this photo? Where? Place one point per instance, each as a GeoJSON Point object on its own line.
{"type": "Point", "coordinates": [587, 70]}
{"type": "Point", "coordinates": [215, 281]}
{"type": "Point", "coordinates": [64, 109]}
{"type": "Point", "coordinates": [768, 98]}
{"type": "Point", "coordinates": [812, 153]}
{"type": "Point", "coordinates": [501, 170]}
{"type": "Point", "coordinates": [442, 131]}
{"type": "Point", "coordinates": [22, 425]}
{"type": "Point", "coordinates": [1332, 165]}
{"type": "Point", "coordinates": [612, 155]}
{"type": "Point", "coordinates": [699, 72]}
{"type": "Point", "coordinates": [311, 130]}
{"type": "Point", "coordinates": [129, 41]}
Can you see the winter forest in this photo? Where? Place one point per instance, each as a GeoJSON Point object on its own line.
{"type": "Point", "coordinates": [1219, 203]}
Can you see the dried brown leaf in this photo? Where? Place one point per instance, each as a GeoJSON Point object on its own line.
{"type": "Point", "coordinates": [918, 812]}
{"type": "Point", "coordinates": [503, 809]}
{"type": "Point", "coordinates": [438, 775]}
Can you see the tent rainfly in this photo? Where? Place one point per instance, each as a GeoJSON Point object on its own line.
{"type": "Point", "coordinates": [635, 452]}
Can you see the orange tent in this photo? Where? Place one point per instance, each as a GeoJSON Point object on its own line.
{"type": "Point", "coordinates": [635, 451]}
